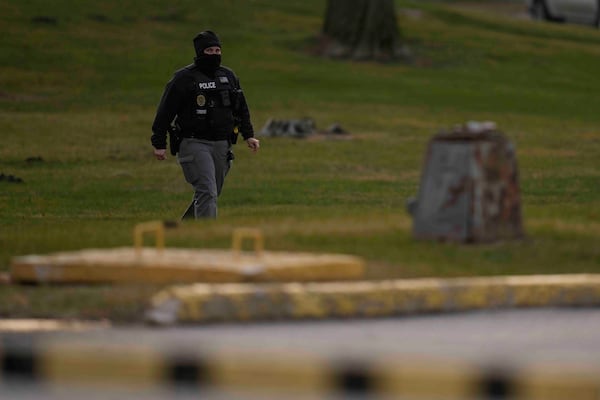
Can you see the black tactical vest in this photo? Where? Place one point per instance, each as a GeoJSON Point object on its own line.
{"type": "Point", "coordinates": [211, 112]}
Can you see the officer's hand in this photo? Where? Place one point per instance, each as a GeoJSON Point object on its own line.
{"type": "Point", "coordinates": [160, 154]}
{"type": "Point", "coordinates": [253, 144]}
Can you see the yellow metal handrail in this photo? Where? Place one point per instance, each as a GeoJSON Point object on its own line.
{"type": "Point", "coordinates": [240, 234]}
{"type": "Point", "coordinates": [156, 227]}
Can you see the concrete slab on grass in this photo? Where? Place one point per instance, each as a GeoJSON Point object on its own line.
{"type": "Point", "coordinates": [150, 265]}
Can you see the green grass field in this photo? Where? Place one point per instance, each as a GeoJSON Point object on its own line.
{"type": "Point", "coordinates": [79, 84]}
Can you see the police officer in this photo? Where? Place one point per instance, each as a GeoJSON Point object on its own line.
{"type": "Point", "coordinates": [207, 103]}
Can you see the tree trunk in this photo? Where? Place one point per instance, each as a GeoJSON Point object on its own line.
{"type": "Point", "coordinates": [361, 30]}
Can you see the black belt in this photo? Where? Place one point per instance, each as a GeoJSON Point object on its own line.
{"type": "Point", "coordinates": [200, 136]}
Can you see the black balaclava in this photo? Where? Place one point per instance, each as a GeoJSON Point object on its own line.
{"type": "Point", "coordinates": [208, 63]}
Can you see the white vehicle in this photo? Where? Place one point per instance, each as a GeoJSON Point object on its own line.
{"type": "Point", "coordinates": [578, 11]}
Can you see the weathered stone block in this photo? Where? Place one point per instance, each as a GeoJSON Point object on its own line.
{"type": "Point", "coordinates": [469, 189]}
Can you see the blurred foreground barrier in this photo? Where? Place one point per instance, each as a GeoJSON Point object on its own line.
{"type": "Point", "coordinates": [243, 302]}
{"type": "Point", "coordinates": [469, 190]}
{"type": "Point", "coordinates": [172, 265]}
{"type": "Point", "coordinates": [55, 364]}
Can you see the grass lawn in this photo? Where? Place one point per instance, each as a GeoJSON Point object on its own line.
{"type": "Point", "coordinates": [79, 85]}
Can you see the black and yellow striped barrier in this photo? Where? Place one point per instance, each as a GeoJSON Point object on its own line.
{"type": "Point", "coordinates": [243, 302]}
{"type": "Point", "coordinates": [134, 367]}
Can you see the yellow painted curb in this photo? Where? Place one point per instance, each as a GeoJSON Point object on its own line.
{"type": "Point", "coordinates": [243, 302]}
{"type": "Point", "coordinates": [98, 365]}
{"type": "Point", "coordinates": [25, 325]}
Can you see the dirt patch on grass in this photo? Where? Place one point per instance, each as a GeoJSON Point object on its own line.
{"type": "Point", "coordinates": [587, 228]}
{"type": "Point", "coordinates": [19, 97]}
{"type": "Point", "coordinates": [513, 9]}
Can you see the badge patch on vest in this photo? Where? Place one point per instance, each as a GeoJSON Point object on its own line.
{"type": "Point", "coordinates": [200, 100]}
{"type": "Point", "coordinates": [223, 79]}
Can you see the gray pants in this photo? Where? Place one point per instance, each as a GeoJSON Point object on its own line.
{"type": "Point", "coordinates": [205, 165]}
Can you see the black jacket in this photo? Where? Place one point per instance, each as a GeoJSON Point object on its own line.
{"type": "Point", "coordinates": [204, 106]}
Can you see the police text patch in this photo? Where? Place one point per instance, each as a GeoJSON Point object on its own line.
{"type": "Point", "coordinates": [207, 85]}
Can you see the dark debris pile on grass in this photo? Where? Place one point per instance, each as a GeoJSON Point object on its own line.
{"type": "Point", "coordinates": [299, 128]}
{"type": "Point", "coordinates": [10, 178]}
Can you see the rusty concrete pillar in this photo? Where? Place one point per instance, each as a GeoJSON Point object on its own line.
{"type": "Point", "coordinates": [469, 190]}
